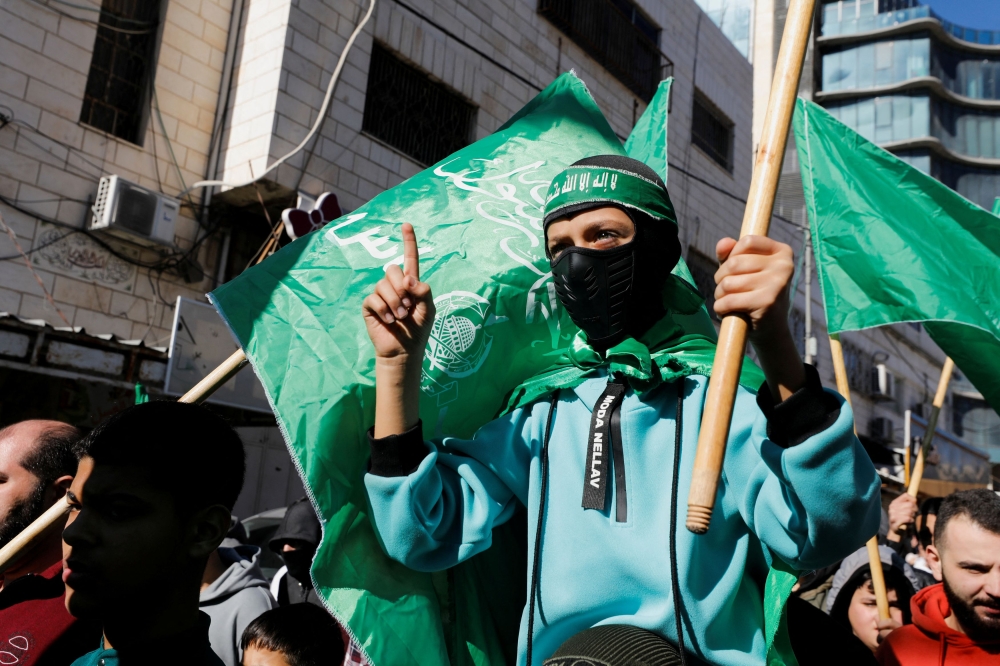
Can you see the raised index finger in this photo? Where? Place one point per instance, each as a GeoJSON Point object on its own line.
{"type": "Point", "coordinates": [411, 256]}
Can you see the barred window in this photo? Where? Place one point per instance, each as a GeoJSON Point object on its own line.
{"type": "Point", "coordinates": [712, 131]}
{"type": "Point", "coordinates": [703, 271]}
{"type": "Point", "coordinates": [120, 68]}
{"type": "Point", "coordinates": [616, 34]}
{"type": "Point", "coordinates": [859, 367]}
{"type": "Point", "coordinates": [409, 111]}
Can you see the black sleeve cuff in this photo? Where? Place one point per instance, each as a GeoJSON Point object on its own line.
{"type": "Point", "coordinates": [805, 413]}
{"type": "Point", "coordinates": [397, 455]}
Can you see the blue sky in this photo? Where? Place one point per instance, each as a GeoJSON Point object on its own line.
{"type": "Point", "coordinates": [979, 14]}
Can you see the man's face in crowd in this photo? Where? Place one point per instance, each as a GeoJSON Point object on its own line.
{"type": "Point", "coordinates": [598, 229]}
{"type": "Point", "coordinates": [22, 495]}
{"type": "Point", "coordinates": [123, 540]}
{"type": "Point", "coordinates": [967, 558]}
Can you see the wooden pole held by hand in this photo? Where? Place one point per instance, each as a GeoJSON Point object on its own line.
{"type": "Point", "coordinates": [756, 221]}
{"type": "Point", "coordinates": [30, 535]}
{"type": "Point", "coordinates": [942, 391]}
{"type": "Point", "coordinates": [874, 561]}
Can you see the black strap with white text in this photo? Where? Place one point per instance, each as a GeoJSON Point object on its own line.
{"type": "Point", "coordinates": [595, 477]}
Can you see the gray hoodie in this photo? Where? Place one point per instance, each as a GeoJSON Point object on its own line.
{"type": "Point", "coordinates": [235, 600]}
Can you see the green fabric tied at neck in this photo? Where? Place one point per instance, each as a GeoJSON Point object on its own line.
{"type": "Point", "coordinates": [673, 348]}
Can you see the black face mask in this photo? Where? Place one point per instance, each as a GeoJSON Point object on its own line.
{"type": "Point", "coordinates": [595, 288]}
{"type": "Point", "coordinates": [298, 563]}
{"type": "Point", "coordinates": [617, 293]}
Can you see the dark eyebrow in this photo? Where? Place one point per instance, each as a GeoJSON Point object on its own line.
{"type": "Point", "coordinates": [975, 566]}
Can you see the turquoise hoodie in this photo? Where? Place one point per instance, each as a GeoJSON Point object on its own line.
{"type": "Point", "coordinates": [810, 505]}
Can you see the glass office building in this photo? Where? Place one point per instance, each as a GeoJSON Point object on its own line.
{"type": "Point", "coordinates": [921, 87]}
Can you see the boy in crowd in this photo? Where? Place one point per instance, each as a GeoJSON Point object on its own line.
{"type": "Point", "coordinates": [37, 462]}
{"type": "Point", "coordinates": [957, 621]}
{"type": "Point", "coordinates": [150, 502]}
{"type": "Point", "coordinates": [298, 635]}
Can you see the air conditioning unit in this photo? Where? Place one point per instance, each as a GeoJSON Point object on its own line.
{"type": "Point", "coordinates": [883, 383]}
{"type": "Point", "coordinates": [134, 213]}
{"type": "Point", "coordinates": [881, 429]}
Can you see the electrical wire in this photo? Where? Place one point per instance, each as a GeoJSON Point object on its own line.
{"type": "Point", "coordinates": [97, 10]}
{"type": "Point", "coordinates": [319, 118]}
{"type": "Point", "coordinates": [731, 195]}
{"type": "Point", "coordinates": [900, 354]}
{"type": "Point", "coordinates": [100, 24]}
{"type": "Point", "coordinates": [6, 120]}
{"type": "Point", "coordinates": [168, 262]}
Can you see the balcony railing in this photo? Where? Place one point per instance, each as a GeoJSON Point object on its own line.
{"type": "Point", "coordinates": [846, 17]}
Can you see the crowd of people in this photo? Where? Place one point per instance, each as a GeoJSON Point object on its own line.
{"type": "Point", "coordinates": [941, 565]}
{"type": "Point", "coordinates": [150, 567]}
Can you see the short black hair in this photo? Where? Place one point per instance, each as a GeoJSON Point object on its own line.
{"type": "Point", "coordinates": [57, 454]}
{"type": "Point", "coordinates": [184, 449]}
{"type": "Point", "coordinates": [306, 635]}
{"type": "Point", "coordinates": [981, 506]}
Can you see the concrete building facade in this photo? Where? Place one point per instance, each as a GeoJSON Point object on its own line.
{"type": "Point", "coordinates": [166, 94]}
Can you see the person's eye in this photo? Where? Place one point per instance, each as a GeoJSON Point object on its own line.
{"type": "Point", "coordinates": [556, 249]}
{"type": "Point", "coordinates": [121, 511]}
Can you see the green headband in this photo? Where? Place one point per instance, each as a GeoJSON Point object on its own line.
{"type": "Point", "coordinates": [584, 184]}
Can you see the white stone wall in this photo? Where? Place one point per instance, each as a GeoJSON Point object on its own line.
{"type": "Point", "coordinates": [51, 163]}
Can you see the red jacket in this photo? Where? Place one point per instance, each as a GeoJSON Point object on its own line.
{"type": "Point", "coordinates": [931, 642]}
{"type": "Point", "coordinates": [35, 627]}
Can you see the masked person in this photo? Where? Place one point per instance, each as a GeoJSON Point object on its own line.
{"type": "Point", "coordinates": [616, 421]}
{"type": "Point", "coordinates": [296, 541]}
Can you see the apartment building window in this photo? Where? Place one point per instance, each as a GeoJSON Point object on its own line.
{"type": "Point", "coordinates": [616, 34]}
{"type": "Point", "coordinates": [116, 96]}
{"type": "Point", "coordinates": [712, 131]}
{"type": "Point", "coordinates": [703, 271]}
{"type": "Point", "coordinates": [412, 113]}
{"type": "Point", "coordinates": [859, 367]}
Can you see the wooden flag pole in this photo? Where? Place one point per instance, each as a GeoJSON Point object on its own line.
{"type": "Point", "coordinates": [874, 560]}
{"type": "Point", "coordinates": [213, 380]}
{"type": "Point", "coordinates": [942, 391]}
{"type": "Point", "coordinates": [756, 221]}
{"type": "Point", "coordinates": [30, 535]}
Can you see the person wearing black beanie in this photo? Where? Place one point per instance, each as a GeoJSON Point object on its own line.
{"type": "Point", "coordinates": [600, 447]}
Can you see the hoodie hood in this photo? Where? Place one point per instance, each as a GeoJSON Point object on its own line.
{"type": "Point", "coordinates": [858, 560]}
{"type": "Point", "coordinates": [242, 573]}
{"type": "Point", "coordinates": [930, 607]}
{"type": "Point", "coordinates": [300, 523]}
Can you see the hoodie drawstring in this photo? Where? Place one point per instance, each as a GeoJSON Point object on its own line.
{"type": "Point", "coordinates": [536, 556]}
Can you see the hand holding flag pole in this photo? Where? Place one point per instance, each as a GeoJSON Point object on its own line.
{"type": "Point", "coordinates": [756, 221]}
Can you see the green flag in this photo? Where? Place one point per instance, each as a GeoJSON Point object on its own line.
{"type": "Point", "coordinates": [894, 245]}
{"type": "Point", "coordinates": [477, 216]}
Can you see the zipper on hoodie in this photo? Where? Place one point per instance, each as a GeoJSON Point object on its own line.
{"type": "Point", "coordinates": [606, 437]}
